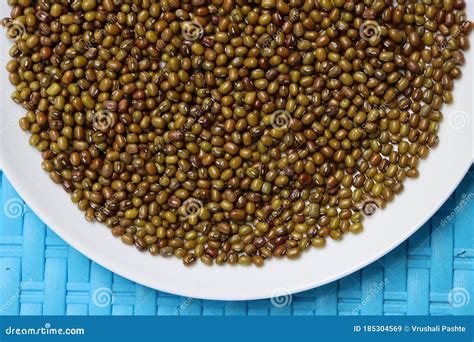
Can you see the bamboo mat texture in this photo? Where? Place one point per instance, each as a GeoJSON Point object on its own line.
{"type": "Point", "coordinates": [432, 273]}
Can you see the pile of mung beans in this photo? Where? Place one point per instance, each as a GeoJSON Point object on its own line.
{"type": "Point", "coordinates": [233, 131]}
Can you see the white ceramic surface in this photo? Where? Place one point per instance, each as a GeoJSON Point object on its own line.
{"type": "Point", "coordinates": [440, 175]}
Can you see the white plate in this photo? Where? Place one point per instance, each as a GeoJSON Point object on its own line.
{"type": "Point", "coordinates": [440, 175]}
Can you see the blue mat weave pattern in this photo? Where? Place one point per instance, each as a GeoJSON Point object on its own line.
{"type": "Point", "coordinates": [430, 274]}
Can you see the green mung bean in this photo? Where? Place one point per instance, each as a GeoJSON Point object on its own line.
{"type": "Point", "coordinates": [253, 131]}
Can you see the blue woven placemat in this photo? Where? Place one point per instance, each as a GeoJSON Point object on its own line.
{"type": "Point", "coordinates": [430, 274]}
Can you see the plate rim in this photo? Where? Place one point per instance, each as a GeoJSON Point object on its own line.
{"type": "Point", "coordinates": [108, 263]}
{"type": "Point", "coordinates": [79, 245]}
